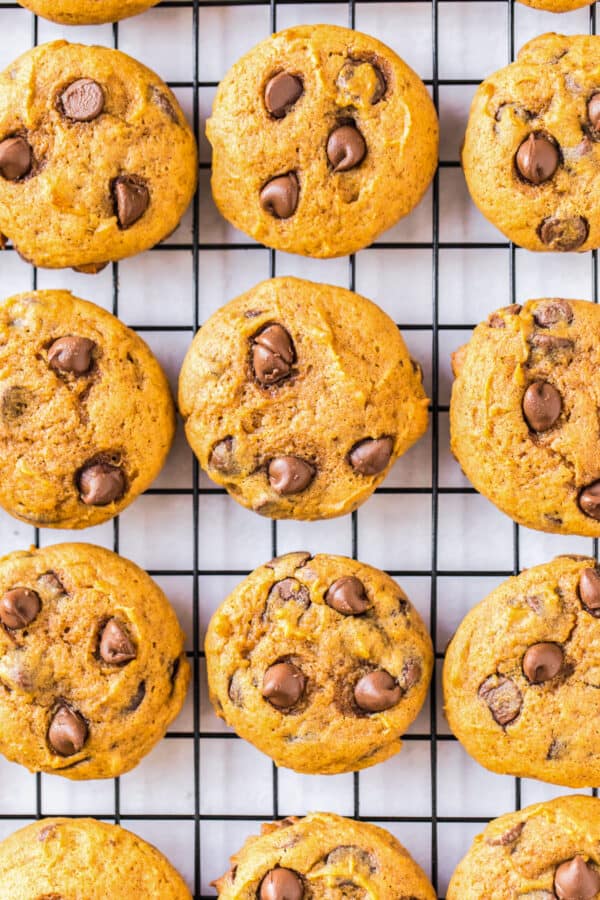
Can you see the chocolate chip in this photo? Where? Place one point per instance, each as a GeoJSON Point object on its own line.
{"type": "Point", "coordinates": [164, 104]}
{"type": "Point", "coordinates": [509, 837]}
{"type": "Point", "coordinates": [537, 158]}
{"type": "Point", "coordinates": [290, 475]}
{"type": "Point", "coordinates": [380, 86]}
{"type": "Point", "coordinates": [116, 646]}
{"type": "Point", "coordinates": [16, 158]}
{"type": "Point", "coordinates": [15, 402]}
{"type": "Point", "coordinates": [51, 584]}
{"type": "Point", "coordinates": [347, 74]}
{"type": "Point", "coordinates": [222, 457]}
{"type": "Point", "coordinates": [283, 685]}
{"type": "Point", "coordinates": [281, 884]}
{"type": "Point", "coordinates": [550, 312]}
{"type": "Point", "coordinates": [589, 500]}
{"type": "Point", "coordinates": [19, 607]}
{"type": "Point", "coordinates": [71, 354]}
{"type": "Point", "coordinates": [564, 234]}
{"type": "Point", "coordinates": [542, 662]}
{"type": "Point", "coordinates": [347, 596]}
{"type": "Point", "coordinates": [136, 700]}
{"type": "Point", "coordinates": [273, 355]}
{"type": "Point", "coordinates": [83, 100]}
{"type": "Point", "coordinates": [589, 590]}
{"type": "Point", "coordinates": [593, 109]}
{"type": "Point", "coordinates": [576, 880]}
{"type": "Point", "coordinates": [549, 343]}
{"type": "Point", "coordinates": [542, 406]}
{"type": "Point", "coordinates": [371, 456]}
{"type": "Point", "coordinates": [132, 199]}
{"type": "Point", "coordinates": [290, 589]}
{"type": "Point", "coordinates": [377, 691]}
{"type": "Point", "coordinates": [68, 732]}
{"type": "Point", "coordinates": [100, 484]}
{"type": "Point", "coordinates": [281, 93]}
{"type": "Point", "coordinates": [346, 148]}
{"type": "Point", "coordinates": [411, 674]}
{"type": "Point", "coordinates": [503, 698]}
{"type": "Point", "coordinates": [279, 196]}
{"type": "Point", "coordinates": [495, 319]}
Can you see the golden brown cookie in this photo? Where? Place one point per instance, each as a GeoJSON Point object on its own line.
{"type": "Point", "coordinates": [322, 856]}
{"type": "Point", "coordinates": [557, 6]}
{"type": "Point", "coordinates": [97, 161]}
{"type": "Point", "coordinates": [86, 413]}
{"type": "Point", "coordinates": [92, 664]}
{"type": "Point", "coordinates": [531, 154]}
{"type": "Point", "coordinates": [322, 138]}
{"type": "Point", "coordinates": [522, 675]}
{"type": "Point", "coordinates": [86, 12]}
{"type": "Point", "coordinates": [321, 662]}
{"type": "Point", "coordinates": [542, 852]}
{"type": "Point", "coordinates": [298, 397]}
{"type": "Point", "coordinates": [524, 413]}
{"type": "Point", "coordinates": [71, 858]}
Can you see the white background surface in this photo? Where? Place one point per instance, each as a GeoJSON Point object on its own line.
{"type": "Point", "coordinates": [476, 545]}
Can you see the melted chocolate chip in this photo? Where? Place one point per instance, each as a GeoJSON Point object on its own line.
{"type": "Point", "coordinates": [589, 591]}
{"type": "Point", "coordinates": [290, 589]}
{"type": "Point", "coordinates": [542, 406]}
{"type": "Point", "coordinates": [589, 500]}
{"type": "Point", "coordinates": [279, 196]}
{"type": "Point", "coordinates": [564, 234]}
{"type": "Point", "coordinates": [377, 691]}
{"type": "Point", "coordinates": [283, 685]}
{"type": "Point", "coordinates": [550, 312]}
{"type": "Point", "coordinates": [16, 158]}
{"type": "Point", "coordinates": [550, 343]}
{"type": "Point", "coordinates": [509, 837]}
{"type": "Point", "coordinates": [71, 354]}
{"type": "Point", "coordinates": [346, 77]}
{"type": "Point", "coordinates": [281, 93]}
{"type": "Point", "coordinates": [346, 148]}
{"type": "Point", "coordinates": [290, 475]}
{"type": "Point", "coordinates": [347, 596]}
{"type": "Point", "coordinates": [542, 662]}
{"type": "Point", "coordinates": [83, 100]}
{"type": "Point", "coordinates": [101, 483]}
{"type": "Point", "coordinates": [273, 355]}
{"type": "Point", "coordinates": [537, 158]}
{"type": "Point", "coordinates": [503, 698]}
{"type": "Point", "coordinates": [371, 456]}
{"type": "Point", "coordinates": [68, 732]}
{"type": "Point", "coordinates": [576, 880]}
{"type": "Point", "coordinates": [136, 700]}
{"type": "Point", "coordinates": [222, 456]}
{"type": "Point", "coordinates": [51, 584]}
{"type": "Point", "coordinates": [496, 320]}
{"type": "Point", "coordinates": [19, 607]}
{"type": "Point", "coordinates": [281, 884]}
{"type": "Point", "coordinates": [593, 109]}
{"type": "Point", "coordinates": [116, 646]}
{"type": "Point", "coordinates": [132, 199]}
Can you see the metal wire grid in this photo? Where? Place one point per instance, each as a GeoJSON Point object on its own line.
{"type": "Point", "coordinates": [196, 248]}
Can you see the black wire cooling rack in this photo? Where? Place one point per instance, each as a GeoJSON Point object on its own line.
{"type": "Point", "coordinates": [197, 248]}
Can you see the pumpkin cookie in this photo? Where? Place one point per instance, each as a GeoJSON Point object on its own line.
{"type": "Point", "coordinates": [86, 414]}
{"type": "Point", "coordinates": [531, 154]}
{"type": "Point", "coordinates": [323, 855]}
{"type": "Point", "coordinates": [298, 397]}
{"type": "Point", "coordinates": [321, 662]}
{"type": "Point", "coordinates": [72, 858]}
{"type": "Point", "coordinates": [92, 665]}
{"type": "Point", "coordinates": [541, 852]}
{"type": "Point", "coordinates": [86, 12]}
{"type": "Point", "coordinates": [97, 161]}
{"type": "Point", "coordinates": [524, 413]}
{"type": "Point", "coordinates": [322, 138]}
{"type": "Point", "coordinates": [557, 6]}
{"type": "Point", "coordinates": [522, 674]}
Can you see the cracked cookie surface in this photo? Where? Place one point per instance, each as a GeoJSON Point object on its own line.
{"type": "Point", "coordinates": [92, 663]}
{"type": "Point", "coordinates": [97, 161]}
{"type": "Point", "coordinates": [521, 675]}
{"type": "Point", "coordinates": [541, 852]}
{"type": "Point", "coordinates": [82, 12]}
{"type": "Point", "coordinates": [524, 414]}
{"type": "Point", "coordinates": [86, 413]}
{"type": "Point", "coordinates": [323, 856]}
{"type": "Point", "coordinates": [298, 397]}
{"type": "Point", "coordinates": [322, 138]}
{"type": "Point", "coordinates": [70, 858]}
{"type": "Point", "coordinates": [321, 662]}
{"type": "Point", "coordinates": [532, 146]}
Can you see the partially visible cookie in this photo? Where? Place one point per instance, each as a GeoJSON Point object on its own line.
{"type": "Point", "coordinates": [542, 852]}
{"type": "Point", "coordinates": [86, 413]}
{"type": "Point", "coordinates": [321, 662]}
{"type": "Point", "coordinates": [70, 858]}
{"type": "Point", "coordinates": [298, 397]}
{"type": "Point", "coordinates": [86, 12]}
{"type": "Point", "coordinates": [323, 855]}
{"type": "Point", "coordinates": [557, 6]}
{"type": "Point", "coordinates": [92, 662]}
{"type": "Point", "coordinates": [522, 674]}
{"type": "Point", "coordinates": [322, 138]}
{"type": "Point", "coordinates": [524, 413]}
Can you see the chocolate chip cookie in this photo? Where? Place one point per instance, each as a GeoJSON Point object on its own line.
{"type": "Point", "coordinates": [84, 12]}
{"type": "Point", "coordinates": [323, 855]}
{"type": "Point", "coordinates": [97, 161]}
{"type": "Point", "coordinates": [531, 154]}
{"type": "Point", "coordinates": [322, 138]}
{"type": "Point", "coordinates": [522, 674]}
{"type": "Point", "coordinates": [92, 665]}
{"type": "Point", "coordinates": [298, 398]}
{"type": "Point", "coordinates": [524, 413]}
{"type": "Point", "coordinates": [541, 852]}
{"type": "Point", "coordinates": [70, 858]}
{"type": "Point", "coordinates": [86, 413]}
{"type": "Point", "coordinates": [321, 662]}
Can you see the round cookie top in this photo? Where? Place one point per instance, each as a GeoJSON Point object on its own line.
{"type": "Point", "coordinates": [557, 6]}
{"type": "Point", "coordinates": [321, 662]}
{"type": "Point", "coordinates": [56, 858]}
{"type": "Point", "coordinates": [524, 413]}
{"type": "Point", "coordinates": [322, 138]}
{"type": "Point", "coordinates": [86, 413]}
{"type": "Point", "coordinates": [323, 855]}
{"type": "Point", "coordinates": [94, 146]}
{"type": "Point", "coordinates": [82, 12]}
{"type": "Point", "coordinates": [531, 152]}
{"type": "Point", "coordinates": [538, 853]}
{"type": "Point", "coordinates": [521, 675]}
{"type": "Point", "coordinates": [298, 397]}
{"type": "Point", "coordinates": [92, 664]}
